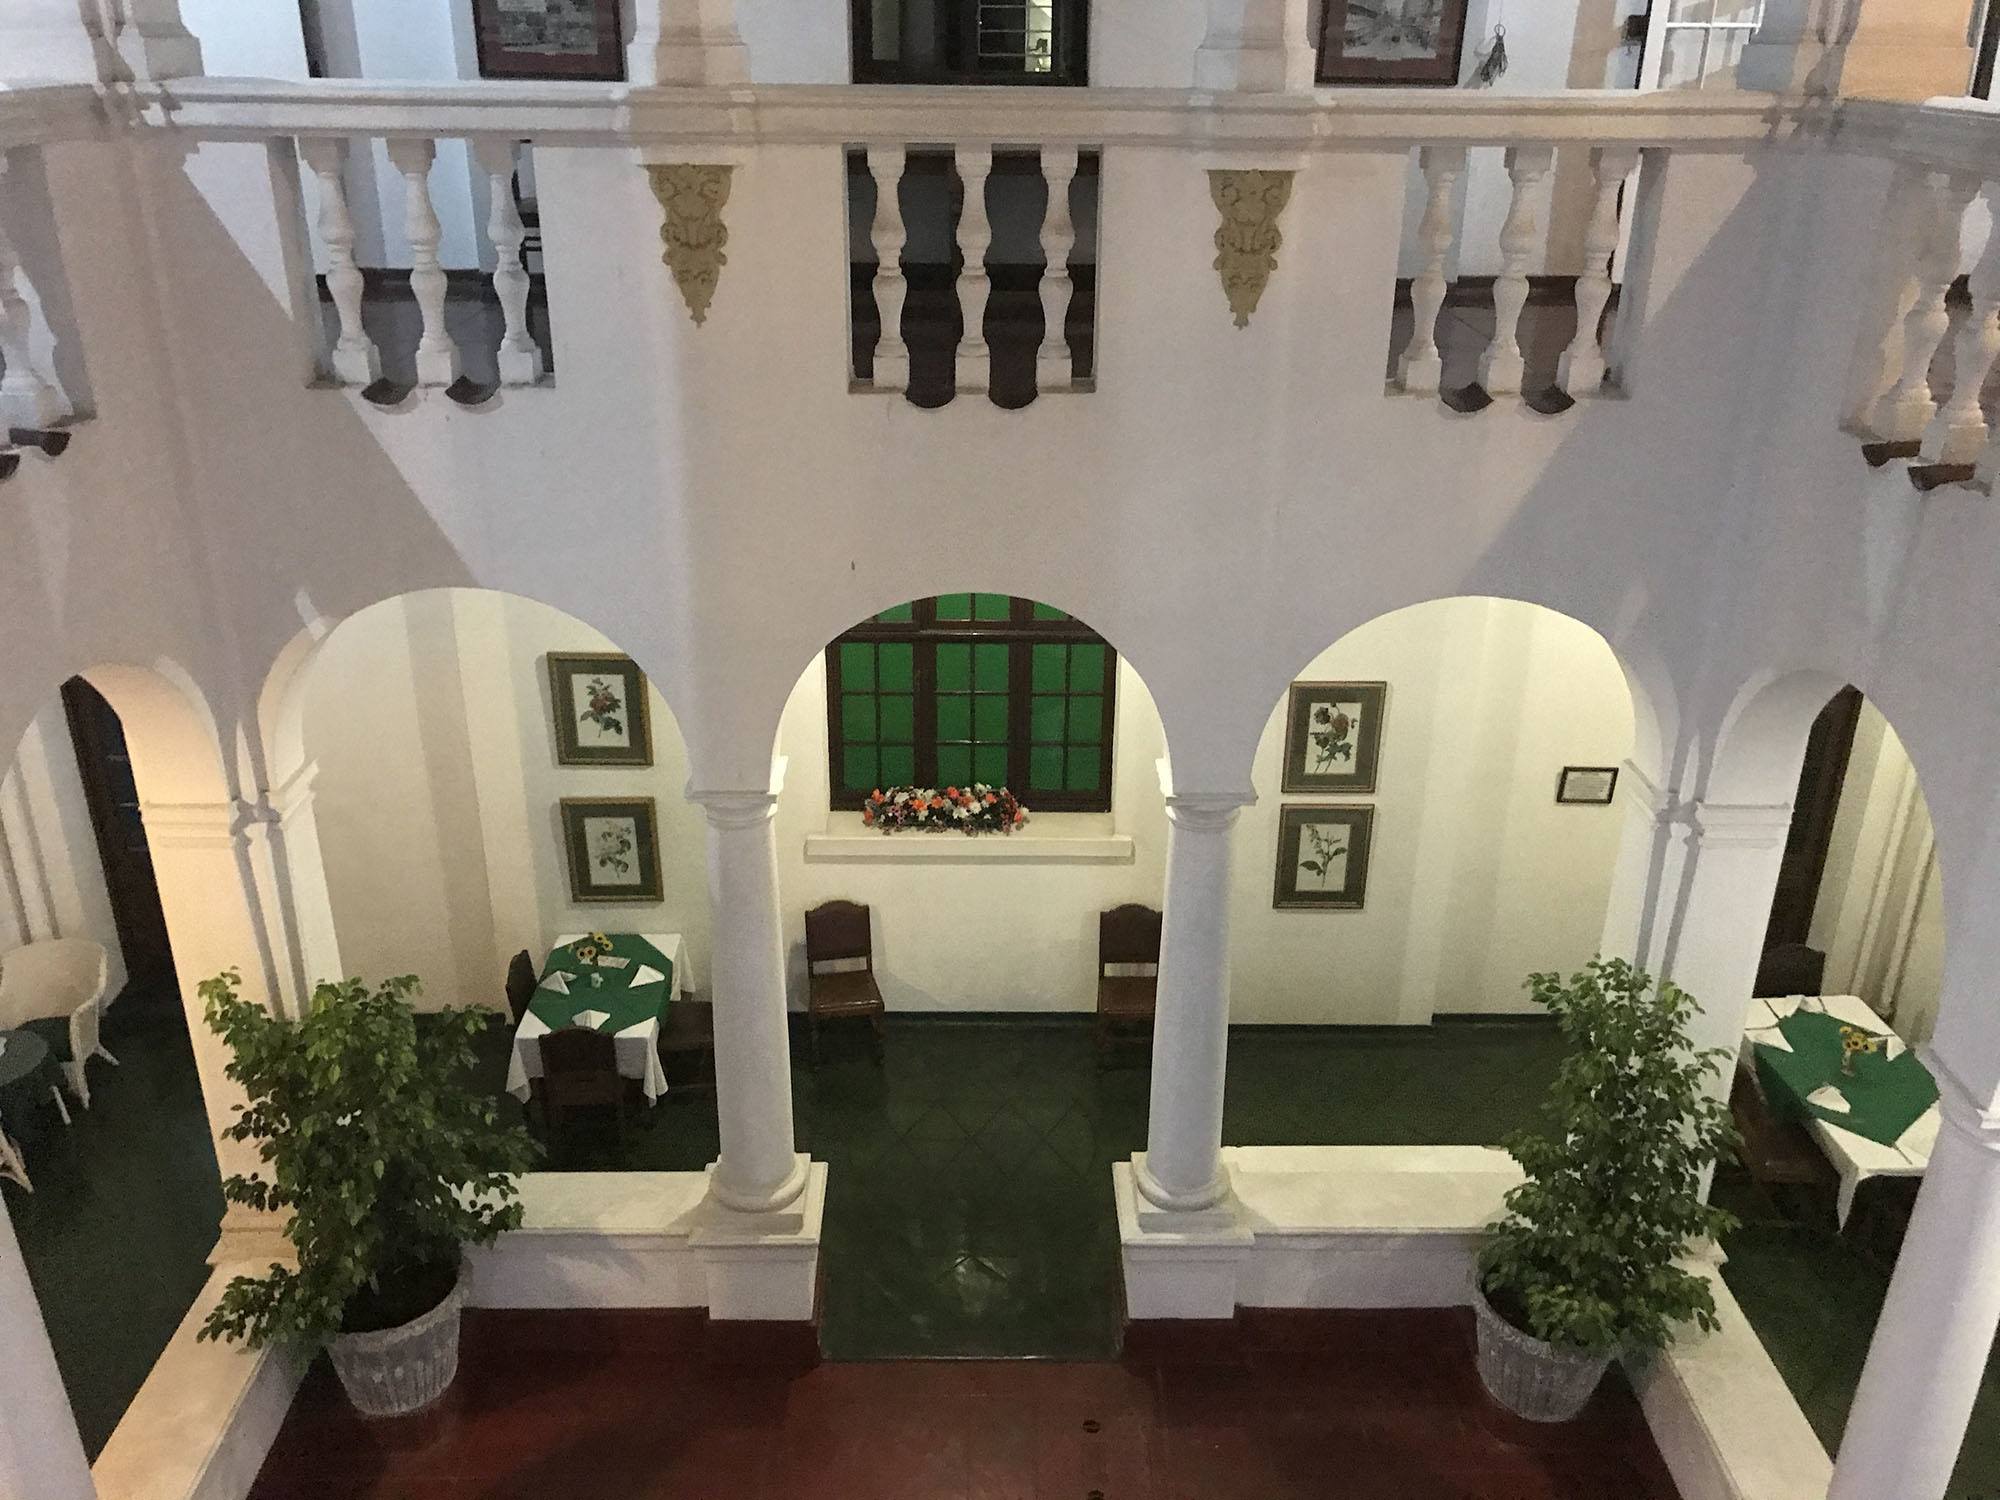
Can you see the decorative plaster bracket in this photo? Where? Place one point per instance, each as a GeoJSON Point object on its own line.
{"type": "Point", "coordinates": [1246, 245]}
{"type": "Point", "coordinates": [693, 234]}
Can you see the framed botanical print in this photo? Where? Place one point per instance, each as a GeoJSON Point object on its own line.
{"type": "Point", "coordinates": [613, 844]}
{"type": "Point", "coordinates": [549, 39]}
{"type": "Point", "coordinates": [1587, 786]}
{"type": "Point", "coordinates": [1323, 856]}
{"type": "Point", "coordinates": [1333, 734]}
{"type": "Point", "coordinates": [1391, 41]}
{"type": "Point", "coordinates": [599, 702]}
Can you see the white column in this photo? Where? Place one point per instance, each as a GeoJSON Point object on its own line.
{"type": "Point", "coordinates": [41, 1455]}
{"type": "Point", "coordinates": [1181, 1169]}
{"type": "Point", "coordinates": [1255, 46]}
{"type": "Point", "coordinates": [53, 40]}
{"type": "Point", "coordinates": [153, 42]}
{"type": "Point", "coordinates": [1645, 880]}
{"type": "Point", "coordinates": [355, 361]}
{"type": "Point", "coordinates": [759, 1171]}
{"type": "Point", "coordinates": [887, 233]}
{"type": "Point", "coordinates": [1055, 361]}
{"type": "Point", "coordinates": [520, 356]}
{"type": "Point", "coordinates": [1501, 367]}
{"type": "Point", "coordinates": [1421, 368]}
{"type": "Point", "coordinates": [437, 355]}
{"type": "Point", "coordinates": [1936, 1329]}
{"type": "Point", "coordinates": [687, 42]}
{"type": "Point", "coordinates": [281, 835]}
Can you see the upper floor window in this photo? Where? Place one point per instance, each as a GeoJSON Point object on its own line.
{"type": "Point", "coordinates": [973, 688]}
{"type": "Point", "coordinates": [970, 41]}
{"type": "Point", "coordinates": [1700, 42]}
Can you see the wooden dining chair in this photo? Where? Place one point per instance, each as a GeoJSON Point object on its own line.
{"type": "Point", "coordinates": [687, 1045]}
{"type": "Point", "coordinates": [1128, 938]}
{"type": "Point", "coordinates": [840, 932]}
{"type": "Point", "coordinates": [1789, 969]}
{"type": "Point", "coordinates": [520, 984]}
{"type": "Point", "coordinates": [580, 1076]}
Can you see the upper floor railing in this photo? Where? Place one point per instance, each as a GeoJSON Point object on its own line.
{"type": "Point", "coordinates": [981, 227]}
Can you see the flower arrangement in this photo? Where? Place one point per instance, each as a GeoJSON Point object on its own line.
{"type": "Point", "coordinates": [1854, 1043]}
{"type": "Point", "coordinates": [973, 809]}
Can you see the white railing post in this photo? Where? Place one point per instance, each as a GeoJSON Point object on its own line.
{"type": "Point", "coordinates": [1421, 369]}
{"type": "Point", "coordinates": [520, 356]}
{"type": "Point", "coordinates": [1582, 369]}
{"type": "Point", "coordinates": [355, 361]}
{"type": "Point", "coordinates": [27, 397]}
{"type": "Point", "coordinates": [1055, 361]}
{"type": "Point", "coordinates": [1502, 366]}
{"type": "Point", "coordinates": [1907, 407]}
{"type": "Point", "coordinates": [1958, 432]}
{"type": "Point", "coordinates": [975, 238]}
{"type": "Point", "coordinates": [887, 234]}
{"type": "Point", "coordinates": [437, 355]}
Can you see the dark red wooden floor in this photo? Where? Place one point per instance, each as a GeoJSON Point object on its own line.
{"type": "Point", "coordinates": [1363, 1406]}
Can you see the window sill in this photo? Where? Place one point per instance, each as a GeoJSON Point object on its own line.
{"type": "Point", "coordinates": [1049, 839]}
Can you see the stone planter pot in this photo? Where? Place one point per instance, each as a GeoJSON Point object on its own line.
{"type": "Point", "coordinates": [1538, 1381]}
{"type": "Point", "coordinates": [396, 1371]}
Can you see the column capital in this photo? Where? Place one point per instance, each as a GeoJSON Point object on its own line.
{"type": "Point", "coordinates": [740, 807]}
{"type": "Point", "coordinates": [188, 825]}
{"type": "Point", "coordinates": [1207, 812]}
{"type": "Point", "coordinates": [293, 795]}
{"type": "Point", "coordinates": [1714, 825]}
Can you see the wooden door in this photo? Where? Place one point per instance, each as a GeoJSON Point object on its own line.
{"type": "Point", "coordinates": [106, 769]}
{"type": "Point", "coordinates": [1813, 811]}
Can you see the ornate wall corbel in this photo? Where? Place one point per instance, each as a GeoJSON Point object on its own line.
{"type": "Point", "coordinates": [1246, 246]}
{"type": "Point", "coordinates": [691, 230]}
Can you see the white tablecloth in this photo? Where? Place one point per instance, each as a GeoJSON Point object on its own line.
{"type": "Point", "coordinates": [1854, 1157]}
{"type": "Point", "coordinates": [638, 1046]}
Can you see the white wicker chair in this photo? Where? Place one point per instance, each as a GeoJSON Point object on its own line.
{"type": "Point", "coordinates": [60, 978]}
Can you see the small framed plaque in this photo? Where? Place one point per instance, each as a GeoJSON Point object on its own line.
{"type": "Point", "coordinates": [1587, 786]}
{"type": "Point", "coordinates": [549, 39]}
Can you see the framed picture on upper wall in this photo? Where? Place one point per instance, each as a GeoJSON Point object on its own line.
{"type": "Point", "coordinates": [1333, 735]}
{"type": "Point", "coordinates": [599, 702]}
{"type": "Point", "coordinates": [613, 845]}
{"type": "Point", "coordinates": [549, 39]}
{"type": "Point", "coordinates": [1323, 856]}
{"type": "Point", "coordinates": [1587, 786]}
{"type": "Point", "coordinates": [1391, 41]}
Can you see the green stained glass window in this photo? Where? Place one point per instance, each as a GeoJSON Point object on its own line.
{"type": "Point", "coordinates": [971, 687]}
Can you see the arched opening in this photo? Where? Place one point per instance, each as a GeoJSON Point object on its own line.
{"type": "Point", "coordinates": [464, 776]}
{"type": "Point", "coordinates": [109, 1172]}
{"type": "Point", "coordinates": [1440, 813]}
{"type": "Point", "coordinates": [1832, 1161]}
{"type": "Point", "coordinates": [966, 1210]}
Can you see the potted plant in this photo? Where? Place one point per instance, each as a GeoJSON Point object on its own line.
{"type": "Point", "coordinates": [385, 1161]}
{"type": "Point", "coordinates": [1587, 1263]}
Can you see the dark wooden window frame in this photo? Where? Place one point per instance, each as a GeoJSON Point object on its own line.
{"type": "Point", "coordinates": [1989, 52]}
{"type": "Point", "coordinates": [926, 632]}
{"type": "Point", "coordinates": [1071, 50]}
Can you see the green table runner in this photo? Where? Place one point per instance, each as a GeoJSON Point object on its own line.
{"type": "Point", "coordinates": [1885, 1095]}
{"type": "Point", "coordinates": [597, 971]}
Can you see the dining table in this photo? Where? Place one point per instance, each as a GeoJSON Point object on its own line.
{"type": "Point", "coordinates": [1870, 1106]}
{"type": "Point", "coordinates": [620, 983]}
{"type": "Point", "coordinates": [23, 1055]}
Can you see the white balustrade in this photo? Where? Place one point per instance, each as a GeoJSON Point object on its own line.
{"type": "Point", "coordinates": [437, 355]}
{"type": "Point", "coordinates": [975, 287]}
{"type": "Point", "coordinates": [1582, 369]}
{"type": "Point", "coordinates": [1055, 362]}
{"type": "Point", "coordinates": [1422, 366]}
{"type": "Point", "coordinates": [27, 397]}
{"type": "Point", "coordinates": [1958, 432]}
{"type": "Point", "coordinates": [355, 360]}
{"type": "Point", "coordinates": [520, 357]}
{"type": "Point", "coordinates": [1502, 366]}
{"type": "Point", "coordinates": [1907, 407]}
{"type": "Point", "coordinates": [887, 234]}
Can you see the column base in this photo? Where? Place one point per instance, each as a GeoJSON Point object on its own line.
{"type": "Point", "coordinates": [763, 1267]}
{"type": "Point", "coordinates": [1211, 1207]}
{"type": "Point", "coordinates": [775, 1210]}
{"type": "Point", "coordinates": [1177, 1266]}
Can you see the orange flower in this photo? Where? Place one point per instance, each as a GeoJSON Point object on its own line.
{"type": "Point", "coordinates": [951, 792]}
{"type": "Point", "coordinates": [991, 799]}
{"type": "Point", "coordinates": [1020, 816]}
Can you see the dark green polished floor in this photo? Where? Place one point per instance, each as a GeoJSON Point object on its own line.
{"type": "Point", "coordinates": [968, 1209]}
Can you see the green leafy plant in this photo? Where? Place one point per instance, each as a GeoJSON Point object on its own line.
{"type": "Point", "coordinates": [380, 1152]}
{"type": "Point", "coordinates": [1589, 1254]}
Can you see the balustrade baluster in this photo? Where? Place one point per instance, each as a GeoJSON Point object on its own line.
{"type": "Point", "coordinates": [887, 234]}
{"type": "Point", "coordinates": [1907, 407]}
{"type": "Point", "coordinates": [975, 237]}
{"type": "Point", "coordinates": [437, 355]}
{"type": "Point", "coordinates": [1502, 366]}
{"type": "Point", "coordinates": [520, 356]}
{"type": "Point", "coordinates": [27, 398]}
{"type": "Point", "coordinates": [1958, 432]}
{"type": "Point", "coordinates": [1421, 368]}
{"type": "Point", "coordinates": [1891, 293]}
{"type": "Point", "coordinates": [1055, 361]}
{"type": "Point", "coordinates": [1582, 369]}
{"type": "Point", "coordinates": [355, 361]}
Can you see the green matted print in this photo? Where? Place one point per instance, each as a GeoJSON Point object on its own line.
{"type": "Point", "coordinates": [612, 846]}
{"type": "Point", "coordinates": [1333, 736]}
{"type": "Point", "coordinates": [1323, 857]}
{"type": "Point", "coordinates": [599, 704]}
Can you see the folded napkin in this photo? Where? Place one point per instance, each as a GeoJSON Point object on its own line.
{"type": "Point", "coordinates": [612, 961]}
{"type": "Point", "coordinates": [647, 975]}
{"type": "Point", "coordinates": [558, 981]}
{"type": "Point", "coordinates": [1827, 1097]}
{"type": "Point", "coordinates": [1770, 1036]}
{"type": "Point", "coordinates": [591, 1018]}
